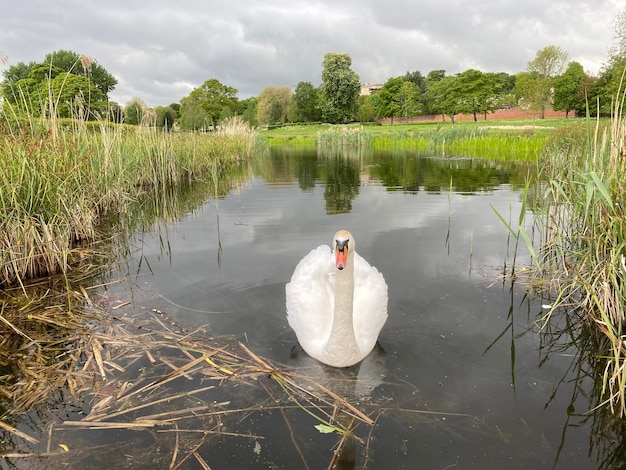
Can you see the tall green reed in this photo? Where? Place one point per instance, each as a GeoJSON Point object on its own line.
{"type": "Point", "coordinates": [469, 141]}
{"type": "Point", "coordinates": [337, 137]}
{"type": "Point", "coordinates": [59, 178]}
{"type": "Point", "coordinates": [584, 240]}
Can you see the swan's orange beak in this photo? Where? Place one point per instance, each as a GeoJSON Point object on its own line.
{"type": "Point", "coordinates": [341, 254]}
{"type": "Point", "coordinates": [341, 258]}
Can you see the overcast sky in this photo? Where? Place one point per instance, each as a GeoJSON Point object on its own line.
{"type": "Point", "coordinates": [161, 50]}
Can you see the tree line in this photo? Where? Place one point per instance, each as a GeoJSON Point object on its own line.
{"type": "Point", "coordinates": [67, 83]}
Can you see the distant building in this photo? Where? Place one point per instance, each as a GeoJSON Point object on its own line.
{"type": "Point", "coordinates": [370, 88]}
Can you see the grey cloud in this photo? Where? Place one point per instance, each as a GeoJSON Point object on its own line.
{"type": "Point", "coordinates": [159, 51]}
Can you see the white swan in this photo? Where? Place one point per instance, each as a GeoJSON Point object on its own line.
{"type": "Point", "coordinates": [336, 303]}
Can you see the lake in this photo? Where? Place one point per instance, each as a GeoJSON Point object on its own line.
{"type": "Point", "coordinates": [462, 377]}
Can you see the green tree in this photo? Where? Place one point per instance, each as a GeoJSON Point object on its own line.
{"type": "Point", "coordinates": [610, 82]}
{"type": "Point", "coordinates": [176, 108]}
{"type": "Point", "coordinates": [204, 104]}
{"type": "Point", "coordinates": [504, 89]}
{"type": "Point", "coordinates": [409, 99]}
{"type": "Point", "coordinates": [367, 108]}
{"type": "Point", "coordinates": [165, 117]}
{"type": "Point", "coordinates": [305, 100]}
{"type": "Point", "coordinates": [77, 64]}
{"type": "Point", "coordinates": [442, 96]}
{"type": "Point", "coordinates": [48, 89]}
{"type": "Point", "coordinates": [192, 115]}
{"type": "Point", "coordinates": [30, 94]}
{"type": "Point", "coordinates": [75, 96]}
{"type": "Point", "coordinates": [82, 82]}
{"type": "Point", "coordinates": [435, 76]}
{"type": "Point", "coordinates": [535, 86]}
{"type": "Point", "coordinates": [417, 78]}
{"type": "Point", "coordinates": [429, 105]}
{"type": "Point", "coordinates": [397, 98]}
{"type": "Point", "coordinates": [134, 111]}
{"type": "Point", "coordinates": [226, 113]}
{"type": "Point", "coordinates": [388, 99]}
{"type": "Point", "coordinates": [474, 92]}
{"type": "Point", "coordinates": [14, 74]}
{"type": "Point", "coordinates": [249, 110]}
{"type": "Point", "coordinates": [504, 83]}
{"type": "Point", "coordinates": [340, 88]}
{"type": "Point", "coordinates": [549, 62]}
{"type": "Point", "coordinates": [567, 96]}
{"type": "Point", "coordinates": [610, 85]}
{"type": "Point", "coordinates": [273, 104]}
{"type": "Point", "coordinates": [528, 94]}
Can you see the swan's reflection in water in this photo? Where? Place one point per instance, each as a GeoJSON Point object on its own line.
{"type": "Point", "coordinates": [357, 381]}
{"type": "Point", "coordinates": [353, 384]}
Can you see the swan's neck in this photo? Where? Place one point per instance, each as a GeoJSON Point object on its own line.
{"type": "Point", "coordinates": [342, 342]}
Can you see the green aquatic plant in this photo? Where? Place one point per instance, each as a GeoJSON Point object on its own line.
{"type": "Point", "coordinates": [583, 249]}
{"type": "Point", "coordinates": [480, 142]}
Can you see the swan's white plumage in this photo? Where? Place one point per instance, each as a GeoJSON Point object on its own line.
{"type": "Point", "coordinates": [311, 306]}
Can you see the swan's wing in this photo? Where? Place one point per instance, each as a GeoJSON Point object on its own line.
{"type": "Point", "coordinates": [370, 303]}
{"type": "Point", "coordinates": [310, 299]}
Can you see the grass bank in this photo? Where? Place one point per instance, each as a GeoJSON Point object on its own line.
{"type": "Point", "coordinates": [59, 179]}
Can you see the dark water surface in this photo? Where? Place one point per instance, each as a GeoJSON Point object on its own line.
{"type": "Point", "coordinates": [461, 371]}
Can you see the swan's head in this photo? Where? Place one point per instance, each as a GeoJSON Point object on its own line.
{"type": "Point", "coordinates": [343, 244]}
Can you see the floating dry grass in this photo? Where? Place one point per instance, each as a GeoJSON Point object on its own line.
{"type": "Point", "coordinates": [191, 415]}
{"type": "Point", "coordinates": [175, 394]}
{"type": "Point", "coordinates": [40, 348]}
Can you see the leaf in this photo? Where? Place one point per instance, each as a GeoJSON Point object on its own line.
{"type": "Point", "coordinates": [589, 197]}
{"type": "Point", "coordinates": [529, 245]}
{"type": "Point", "coordinates": [325, 429]}
{"type": "Point", "coordinates": [603, 188]}
{"type": "Point", "coordinates": [505, 223]}
{"type": "Point", "coordinates": [522, 212]}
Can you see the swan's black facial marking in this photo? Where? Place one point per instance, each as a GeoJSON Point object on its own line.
{"type": "Point", "coordinates": [342, 253]}
{"type": "Point", "coordinates": [342, 244]}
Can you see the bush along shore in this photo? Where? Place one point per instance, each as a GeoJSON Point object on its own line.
{"type": "Point", "coordinates": [583, 252]}
{"type": "Point", "coordinates": [60, 178]}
